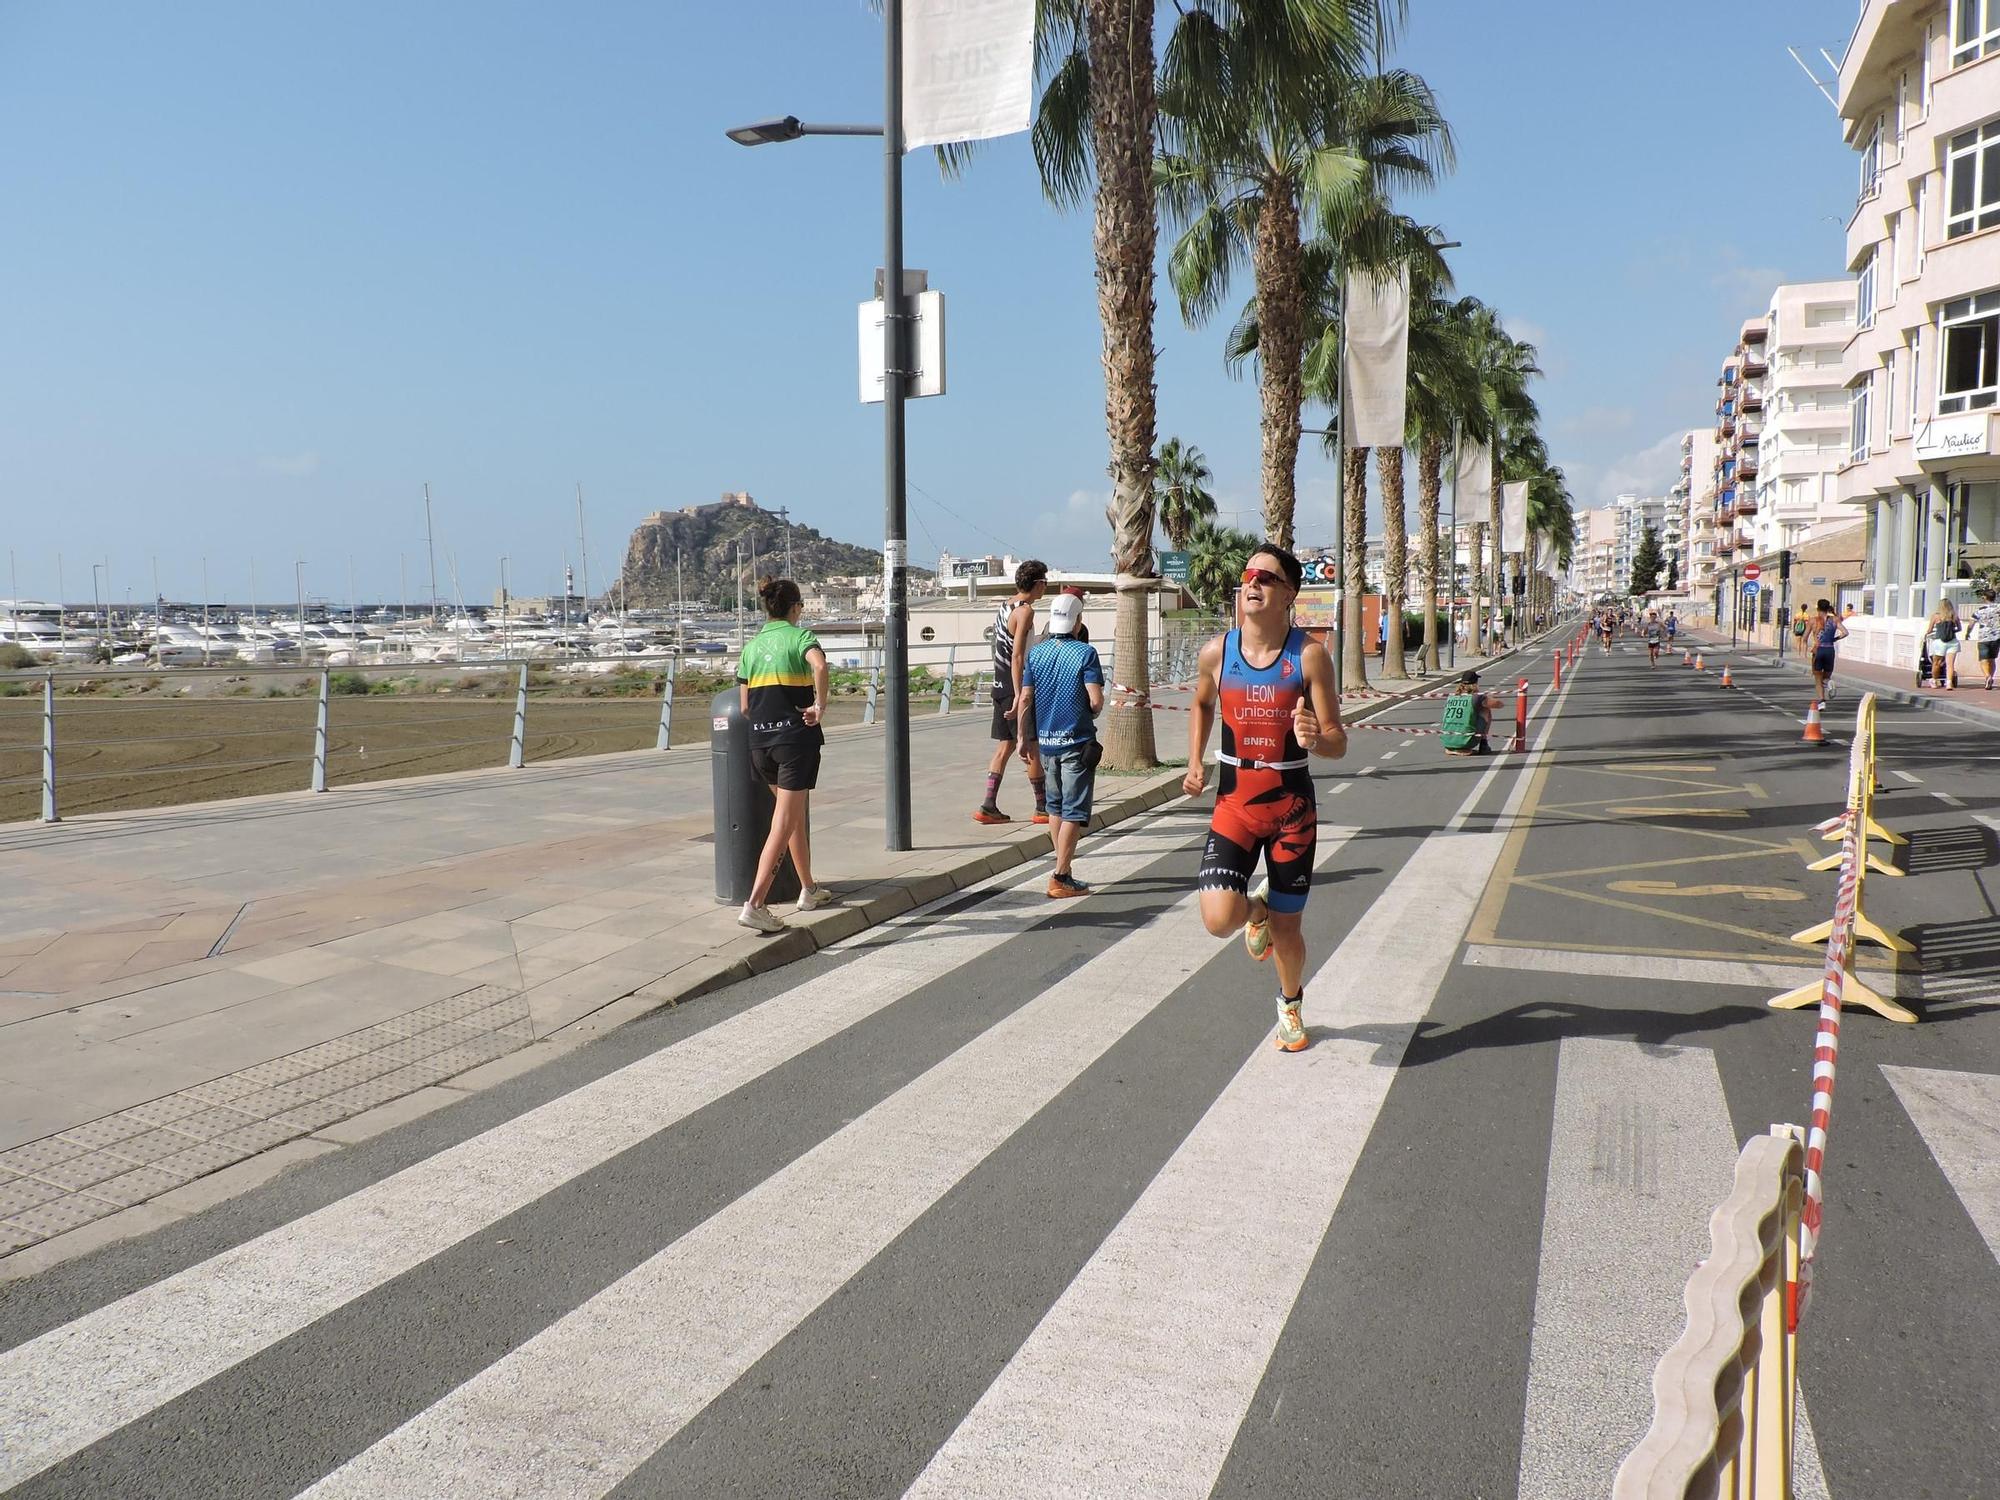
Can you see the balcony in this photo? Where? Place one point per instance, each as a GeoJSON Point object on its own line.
{"type": "Point", "coordinates": [1753, 399]}
{"type": "Point", "coordinates": [1756, 333]}
{"type": "Point", "coordinates": [1725, 543]}
{"type": "Point", "coordinates": [1746, 466]}
{"type": "Point", "coordinates": [1754, 363]}
{"type": "Point", "coordinates": [1727, 427]}
{"type": "Point", "coordinates": [1725, 407]}
{"type": "Point", "coordinates": [1746, 504]}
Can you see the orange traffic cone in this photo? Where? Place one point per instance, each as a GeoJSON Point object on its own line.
{"type": "Point", "coordinates": [1699, 666]}
{"type": "Point", "coordinates": [1813, 736]}
{"type": "Point", "coordinates": [1687, 658]}
{"type": "Point", "coordinates": [1725, 676]}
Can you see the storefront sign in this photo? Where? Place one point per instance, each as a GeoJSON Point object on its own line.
{"type": "Point", "coordinates": [1316, 609]}
{"type": "Point", "coordinates": [1942, 439]}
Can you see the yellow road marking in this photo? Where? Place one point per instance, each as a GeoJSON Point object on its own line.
{"type": "Point", "coordinates": [1804, 965]}
{"type": "Point", "coordinates": [1666, 765]}
{"type": "Point", "coordinates": [1775, 939]}
{"type": "Point", "coordinates": [1679, 812]}
{"type": "Point", "coordinates": [1668, 888]}
{"type": "Point", "coordinates": [1661, 864]}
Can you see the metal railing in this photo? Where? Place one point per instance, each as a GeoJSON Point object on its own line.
{"type": "Point", "coordinates": [63, 729]}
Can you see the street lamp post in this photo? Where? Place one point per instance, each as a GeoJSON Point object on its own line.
{"type": "Point", "coordinates": [97, 603]}
{"type": "Point", "coordinates": [895, 370]}
{"type": "Point", "coordinates": [299, 578]}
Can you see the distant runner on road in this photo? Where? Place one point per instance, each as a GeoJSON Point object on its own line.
{"type": "Point", "coordinates": [1273, 688]}
{"type": "Point", "coordinates": [1827, 630]}
{"type": "Point", "coordinates": [1673, 627]}
{"type": "Point", "coordinates": [1656, 635]}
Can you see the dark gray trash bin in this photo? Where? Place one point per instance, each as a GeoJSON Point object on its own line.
{"type": "Point", "coordinates": [743, 806]}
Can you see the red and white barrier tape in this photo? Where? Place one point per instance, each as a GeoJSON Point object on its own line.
{"type": "Point", "coordinates": [1826, 1056]}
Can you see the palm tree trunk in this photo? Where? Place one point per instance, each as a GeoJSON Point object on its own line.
{"type": "Point", "coordinates": [1122, 118]}
{"type": "Point", "coordinates": [1493, 515]}
{"type": "Point", "coordinates": [1395, 559]}
{"type": "Point", "coordinates": [1281, 302]}
{"type": "Point", "coordinates": [1477, 638]}
{"type": "Point", "coordinates": [1353, 567]}
{"type": "Point", "coordinates": [1430, 483]}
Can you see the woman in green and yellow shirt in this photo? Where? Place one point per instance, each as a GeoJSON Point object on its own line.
{"type": "Point", "coordinates": [782, 680]}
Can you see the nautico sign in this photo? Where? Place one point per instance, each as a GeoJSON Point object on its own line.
{"type": "Point", "coordinates": [1942, 439]}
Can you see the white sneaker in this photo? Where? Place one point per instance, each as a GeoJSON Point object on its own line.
{"type": "Point", "coordinates": [759, 919]}
{"type": "Point", "coordinates": [813, 897]}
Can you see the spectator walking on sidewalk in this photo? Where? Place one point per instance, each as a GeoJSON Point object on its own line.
{"type": "Point", "coordinates": [1062, 692]}
{"type": "Point", "coordinates": [1013, 634]}
{"type": "Point", "coordinates": [1986, 632]}
{"type": "Point", "coordinates": [1941, 642]}
{"type": "Point", "coordinates": [781, 681]}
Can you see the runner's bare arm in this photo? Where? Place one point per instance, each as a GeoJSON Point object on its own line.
{"type": "Point", "coordinates": [1201, 719]}
{"type": "Point", "coordinates": [1025, 717]}
{"type": "Point", "coordinates": [1322, 717]}
{"type": "Point", "coordinates": [1023, 621]}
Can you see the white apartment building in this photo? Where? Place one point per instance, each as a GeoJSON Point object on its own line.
{"type": "Point", "coordinates": [1696, 491]}
{"type": "Point", "coordinates": [1593, 566]}
{"type": "Point", "coordinates": [1788, 456]}
{"type": "Point", "coordinates": [1630, 516]}
{"type": "Point", "coordinates": [1919, 99]}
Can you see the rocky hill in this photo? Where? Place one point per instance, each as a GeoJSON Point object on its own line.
{"type": "Point", "coordinates": [704, 538]}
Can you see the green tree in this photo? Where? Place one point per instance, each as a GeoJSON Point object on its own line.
{"type": "Point", "coordinates": [1645, 564]}
{"type": "Point", "coordinates": [1181, 496]}
{"type": "Point", "coordinates": [1506, 365]}
{"type": "Point", "coordinates": [1096, 122]}
{"type": "Point", "coordinates": [1216, 555]}
{"type": "Point", "coordinates": [1445, 398]}
{"type": "Point", "coordinates": [1269, 125]}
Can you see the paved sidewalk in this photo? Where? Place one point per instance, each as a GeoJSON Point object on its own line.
{"type": "Point", "coordinates": [194, 998]}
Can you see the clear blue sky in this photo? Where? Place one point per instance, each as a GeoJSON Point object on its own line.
{"type": "Point", "coordinates": [269, 268]}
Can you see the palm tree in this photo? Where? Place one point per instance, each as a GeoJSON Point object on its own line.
{"type": "Point", "coordinates": [1267, 123]}
{"type": "Point", "coordinates": [1181, 496]}
{"type": "Point", "coordinates": [1505, 365]}
{"type": "Point", "coordinates": [1097, 117]}
{"type": "Point", "coordinates": [1444, 399]}
{"type": "Point", "coordinates": [1216, 555]}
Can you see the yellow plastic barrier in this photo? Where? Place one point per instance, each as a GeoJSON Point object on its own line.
{"type": "Point", "coordinates": [1850, 922]}
{"type": "Point", "coordinates": [1725, 1397]}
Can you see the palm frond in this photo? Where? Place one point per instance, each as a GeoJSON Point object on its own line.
{"type": "Point", "coordinates": [1062, 132]}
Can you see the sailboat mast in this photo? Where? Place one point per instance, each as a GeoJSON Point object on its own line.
{"type": "Point", "coordinates": [430, 546]}
{"type": "Point", "coordinates": [582, 550]}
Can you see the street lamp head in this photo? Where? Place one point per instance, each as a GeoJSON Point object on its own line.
{"type": "Point", "coordinates": [768, 132]}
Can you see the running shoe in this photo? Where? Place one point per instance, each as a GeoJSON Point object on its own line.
{"type": "Point", "coordinates": [1061, 887]}
{"type": "Point", "coordinates": [1257, 935]}
{"type": "Point", "coordinates": [1291, 1035]}
{"type": "Point", "coordinates": [990, 815]}
{"type": "Point", "coordinates": [1042, 817]}
{"type": "Point", "coordinates": [759, 919]}
{"type": "Point", "coordinates": [813, 897]}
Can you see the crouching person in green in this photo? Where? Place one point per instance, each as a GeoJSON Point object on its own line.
{"type": "Point", "coordinates": [1468, 717]}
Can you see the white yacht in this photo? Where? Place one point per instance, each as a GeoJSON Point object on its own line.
{"type": "Point", "coordinates": [38, 628]}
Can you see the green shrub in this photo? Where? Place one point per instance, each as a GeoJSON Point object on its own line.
{"type": "Point", "coordinates": [15, 658]}
{"type": "Point", "coordinates": [347, 684]}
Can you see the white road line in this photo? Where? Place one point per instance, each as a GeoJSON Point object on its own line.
{"type": "Point", "coordinates": [1660, 967]}
{"type": "Point", "coordinates": [1406, 744]}
{"type": "Point", "coordinates": [1367, 770]}
{"type": "Point", "coordinates": [1913, 780]}
{"type": "Point", "coordinates": [564, 1415]}
{"type": "Point", "coordinates": [1530, 760]}
{"type": "Point", "coordinates": [1138, 1378]}
{"type": "Point", "coordinates": [1958, 1115]}
{"type": "Point", "coordinates": [1390, 754]}
{"type": "Point", "coordinates": [1948, 800]}
{"type": "Point", "coordinates": [80, 1382]}
{"type": "Point", "coordinates": [1641, 1151]}
{"type": "Point", "coordinates": [1338, 787]}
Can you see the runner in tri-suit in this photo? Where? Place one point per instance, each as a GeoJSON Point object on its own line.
{"type": "Point", "coordinates": [1272, 687]}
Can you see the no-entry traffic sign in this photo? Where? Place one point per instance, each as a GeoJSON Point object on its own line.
{"type": "Point", "coordinates": [1751, 572]}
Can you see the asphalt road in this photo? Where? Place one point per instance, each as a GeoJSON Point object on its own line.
{"type": "Point", "coordinates": [1014, 1198]}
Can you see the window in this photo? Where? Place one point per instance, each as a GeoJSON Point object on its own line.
{"type": "Point", "coordinates": [1864, 293]}
{"type": "Point", "coordinates": [1889, 400]}
{"type": "Point", "coordinates": [1895, 257]}
{"type": "Point", "coordinates": [1972, 181]}
{"type": "Point", "coordinates": [1923, 225]}
{"type": "Point", "coordinates": [1969, 354]}
{"type": "Point", "coordinates": [1902, 107]}
{"type": "Point", "coordinates": [1916, 373]}
{"type": "Point", "coordinates": [1975, 30]}
{"type": "Point", "coordinates": [1924, 70]}
{"type": "Point", "coordinates": [1975, 512]}
{"type": "Point", "coordinates": [1871, 163]}
{"type": "Point", "coordinates": [1857, 421]}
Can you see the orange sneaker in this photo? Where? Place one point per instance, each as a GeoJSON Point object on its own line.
{"type": "Point", "coordinates": [1291, 1035]}
{"type": "Point", "coordinates": [990, 815]}
{"type": "Point", "coordinates": [1041, 817]}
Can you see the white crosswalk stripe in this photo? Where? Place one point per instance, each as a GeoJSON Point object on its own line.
{"type": "Point", "coordinates": [65, 1390]}
{"type": "Point", "coordinates": [1958, 1115]}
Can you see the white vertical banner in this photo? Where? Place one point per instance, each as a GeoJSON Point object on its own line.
{"type": "Point", "coordinates": [968, 70]}
{"type": "Point", "coordinates": [1514, 516]}
{"type": "Point", "coordinates": [1475, 480]}
{"type": "Point", "coordinates": [1376, 380]}
{"type": "Point", "coordinates": [1545, 554]}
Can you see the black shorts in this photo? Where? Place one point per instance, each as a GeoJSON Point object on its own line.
{"type": "Point", "coordinates": [790, 767]}
{"type": "Point", "coordinates": [1988, 650]}
{"type": "Point", "coordinates": [1823, 662]}
{"type": "Point", "coordinates": [1004, 728]}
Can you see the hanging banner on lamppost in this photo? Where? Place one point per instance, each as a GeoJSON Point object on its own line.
{"type": "Point", "coordinates": [1475, 478]}
{"type": "Point", "coordinates": [968, 70]}
{"type": "Point", "coordinates": [1376, 381]}
{"type": "Point", "coordinates": [1514, 516]}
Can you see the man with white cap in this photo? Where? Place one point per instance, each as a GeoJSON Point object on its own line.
{"type": "Point", "coordinates": [1062, 692]}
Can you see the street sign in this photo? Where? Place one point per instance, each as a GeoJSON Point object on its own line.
{"type": "Point", "coordinates": [1751, 572]}
{"type": "Point", "coordinates": [1751, 585]}
{"type": "Point", "coordinates": [1174, 567]}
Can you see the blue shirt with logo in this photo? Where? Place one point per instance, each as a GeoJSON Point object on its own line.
{"type": "Point", "coordinates": [1056, 671]}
